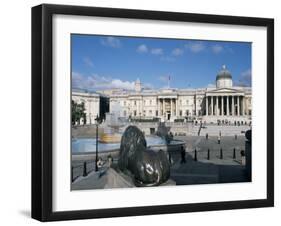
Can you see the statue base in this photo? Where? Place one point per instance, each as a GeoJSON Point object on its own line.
{"type": "Point", "coordinates": [109, 178]}
{"type": "Point", "coordinates": [120, 180]}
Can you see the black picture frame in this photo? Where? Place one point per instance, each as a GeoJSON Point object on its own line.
{"type": "Point", "coordinates": [42, 111]}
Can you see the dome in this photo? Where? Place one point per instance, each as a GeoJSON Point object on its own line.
{"type": "Point", "coordinates": [224, 74]}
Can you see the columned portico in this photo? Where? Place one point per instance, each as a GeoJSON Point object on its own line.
{"type": "Point", "coordinates": [168, 107]}
{"type": "Point", "coordinates": [224, 104]}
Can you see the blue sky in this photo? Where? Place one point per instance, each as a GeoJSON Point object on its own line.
{"type": "Point", "coordinates": [104, 62]}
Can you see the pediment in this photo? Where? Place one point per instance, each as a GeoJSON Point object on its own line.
{"type": "Point", "coordinates": [225, 90]}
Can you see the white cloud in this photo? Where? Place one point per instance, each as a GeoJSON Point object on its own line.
{"type": "Point", "coordinates": [245, 78]}
{"type": "Point", "coordinates": [217, 48]}
{"type": "Point", "coordinates": [164, 78]}
{"type": "Point", "coordinates": [211, 85]}
{"type": "Point", "coordinates": [157, 51]}
{"type": "Point", "coordinates": [167, 59]}
{"type": "Point", "coordinates": [195, 46]}
{"type": "Point", "coordinates": [246, 73]}
{"type": "Point", "coordinates": [97, 82]}
{"type": "Point", "coordinates": [88, 62]}
{"type": "Point", "coordinates": [111, 42]}
{"type": "Point", "coordinates": [177, 52]}
{"type": "Point", "coordinates": [142, 49]}
{"type": "Point", "coordinates": [117, 83]}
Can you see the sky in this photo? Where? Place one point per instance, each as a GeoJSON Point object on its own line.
{"type": "Point", "coordinates": [106, 62]}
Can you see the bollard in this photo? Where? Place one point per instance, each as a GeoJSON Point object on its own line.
{"type": "Point", "coordinates": [208, 154]}
{"type": "Point", "coordinates": [85, 169]}
{"type": "Point", "coordinates": [72, 168]}
{"type": "Point", "coordinates": [234, 153]}
{"type": "Point", "coordinates": [243, 158]}
{"type": "Point", "coordinates": [195, 155]}
{"type": "Point", "coordinates": [221, 156]}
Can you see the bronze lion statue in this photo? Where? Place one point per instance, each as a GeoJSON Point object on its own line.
{"type": "Point", "coordinates": [147, 167]}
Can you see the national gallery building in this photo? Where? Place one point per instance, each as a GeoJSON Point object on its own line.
{"type": "Point", "coordinates": [223, 102]}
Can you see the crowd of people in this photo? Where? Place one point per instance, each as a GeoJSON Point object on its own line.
{"type": "Point", "coordinates": [223, 122]}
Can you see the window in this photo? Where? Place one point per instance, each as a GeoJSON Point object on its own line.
{"type": "Point", "coordinates": [150, 102]}
{"type": "Point", "coordinates": [135, 103]}
{"type": "Point", "coordinates": [187, 102]}
{"type": "Point", "coordinates": [150, 112]}
{"type": "Point", "coordinates": [180, 112]}
{"type": "Point", "coordinates": [135, 113]}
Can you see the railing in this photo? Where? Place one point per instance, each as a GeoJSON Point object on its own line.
{"type": "Point", "coordinates": [219, 153]}
{"type": "Point", "coordinates": [82, 169]}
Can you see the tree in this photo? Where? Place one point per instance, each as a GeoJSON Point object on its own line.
{"type": "Point", "coordinates": [77, 112]}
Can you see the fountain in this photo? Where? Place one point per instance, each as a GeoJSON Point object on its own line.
{"type": "Point", "coordinates": [112, 127]}
{"type": "Point", "coordinates": [109, 141]}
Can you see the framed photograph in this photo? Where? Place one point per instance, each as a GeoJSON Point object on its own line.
{"type": "Point", "coordinates": [145, 112]}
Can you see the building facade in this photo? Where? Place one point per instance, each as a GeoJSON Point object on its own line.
{"type": "Point", "coordinates": [95, 105]}
{"type": "Point", "coordinates": [222, 102]}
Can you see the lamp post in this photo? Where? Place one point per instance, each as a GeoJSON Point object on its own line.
{"type": "Point", "coordinates": [97, 141]}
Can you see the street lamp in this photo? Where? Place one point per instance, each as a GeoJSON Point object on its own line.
{"type": "Point", "coordinates": [97, 141]}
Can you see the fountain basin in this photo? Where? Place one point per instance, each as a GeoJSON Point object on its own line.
{"type": "Point", "coordinates": [85, 148]}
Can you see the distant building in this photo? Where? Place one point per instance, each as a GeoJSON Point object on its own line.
{"type": "Point", "coordinates": [95, 104]}
{"type": "Point", "coordinates": [223, 102]}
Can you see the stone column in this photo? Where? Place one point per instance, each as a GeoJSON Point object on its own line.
{"type": "Point", "coordinates": [227, 105]}
{"type": "Point", "coordinates": [222, 105]}
{"type": "Point", "coordinates": [159, 103]}
{"type": "Point", "coordinates": [177, 114]}
{"type": "Point", "coordinates": [161, 107]}
{"type": "Point", "coordinates": [158, 106]}
{"type": "Point", "coordinates": [238, 105]}
{"type": "Point", "coordinates": [217, 105]}
{"type": "Point", "coordinates": [207, 105]}
{"type": "Point", "coordinates": [164, 106]}
{"type": "Point", "coordinates": [232, 106]}
{"type": "Point", "coordinates": [171, 107]}
{"type": "Point", "coordinates": [212, 105]}
{"type": "Point", "coordinates": [246, 106]}
{"type": "Point", "coordinates": [243, 106]}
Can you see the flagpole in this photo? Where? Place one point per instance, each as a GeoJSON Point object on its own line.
{"type": "Point", "coordinates": [169, 81]}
